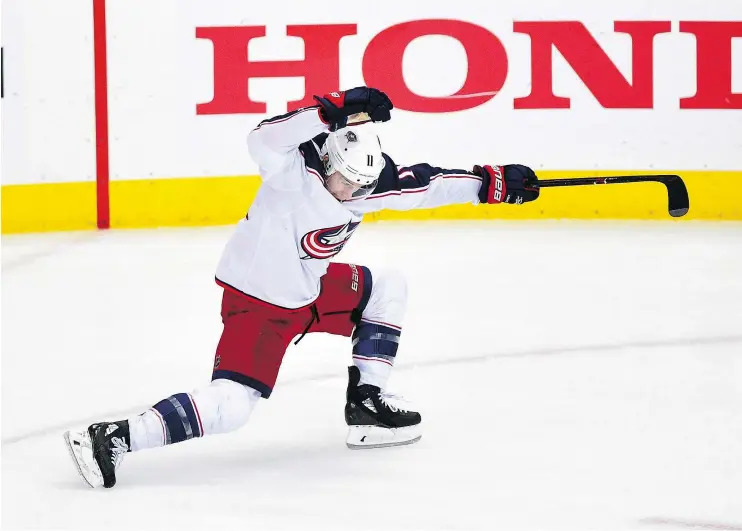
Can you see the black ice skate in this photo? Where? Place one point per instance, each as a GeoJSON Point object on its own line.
{"type": "Point", "coordinates": [376, 419]}
{"type": "Point", "coordinates": [98, 451]}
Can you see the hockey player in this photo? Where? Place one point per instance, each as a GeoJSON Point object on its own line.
{"type": "Point", "coordinates": [320, 176]}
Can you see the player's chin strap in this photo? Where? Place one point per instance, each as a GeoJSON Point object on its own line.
{"type": "Point", "coordinates": [355, 316]}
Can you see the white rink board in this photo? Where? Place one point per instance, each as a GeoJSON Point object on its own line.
{"type": "Point", "coordinates": [48, 101]}
{"type": "Point", "coordinates": [177, 73]}
{"type": "Point", "coordinates": [159, 71]}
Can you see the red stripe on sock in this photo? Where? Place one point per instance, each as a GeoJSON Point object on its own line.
{"type": "Point", "coordinates": [198, 415]}
{"type": "Point", "coordinates": [373, 359]}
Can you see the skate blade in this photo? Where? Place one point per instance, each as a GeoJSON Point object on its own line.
{"type": "Point", "coordinates": [367, 437]}
{"type": "Point", "coordinates": [88, 471]}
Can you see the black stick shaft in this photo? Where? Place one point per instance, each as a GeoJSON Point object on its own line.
{"type": "Point", "coordinates": [617, 179]}
{"type": "Point", "coordinates": [678, 202]}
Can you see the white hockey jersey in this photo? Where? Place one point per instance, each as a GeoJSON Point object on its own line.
{"type": "Point", "coordinates": [282, 248]}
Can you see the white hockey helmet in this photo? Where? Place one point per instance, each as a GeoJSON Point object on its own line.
{"type": "Point", "coordinates": [355, 152]}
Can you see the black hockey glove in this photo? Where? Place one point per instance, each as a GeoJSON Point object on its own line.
{"type": "Point", "coordinates": [512, 183]}
{"type": "Point", "coordinates": [337, 106]}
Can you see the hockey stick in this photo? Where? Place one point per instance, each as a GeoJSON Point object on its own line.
{"type": "Point", "coordinates": [677, 193]}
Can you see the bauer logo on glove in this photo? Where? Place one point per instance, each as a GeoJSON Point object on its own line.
{"type": "Point", "coordinates": [513, 183]}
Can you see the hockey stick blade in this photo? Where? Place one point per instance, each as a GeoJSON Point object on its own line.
{"type": "Point", "coordinates": [677, 193]}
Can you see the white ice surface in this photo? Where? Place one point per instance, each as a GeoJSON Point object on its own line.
{"type": "Point", "coordinates": [570, 376]}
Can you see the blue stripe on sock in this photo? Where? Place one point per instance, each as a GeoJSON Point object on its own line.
{"type": "Point", "coordinates": [365, 330]}
{"type": "Point", "coordinates": [190, 410]}
{"type": "Point", "coordinates": [375, 340]}
{"type": "Point", "coordinates": [180, 417]}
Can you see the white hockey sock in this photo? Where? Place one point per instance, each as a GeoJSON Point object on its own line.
{"type": "Point", "coordinates": [145, 431]}
{"type": "Point", "coordinates": [220, 407]}
{"type": "Point", "coordinates": [373, 372]}
{"type": "Point", "coordinates": [376, 338]}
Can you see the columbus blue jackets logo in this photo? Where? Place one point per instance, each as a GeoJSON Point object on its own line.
{"type": "Point", "coordinates": [326, 243]}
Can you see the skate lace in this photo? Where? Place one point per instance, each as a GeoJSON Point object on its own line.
{"type": "Point", "coordinates": [118, 450]}
{"type": "Point", "coordinates": [396, 403]}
